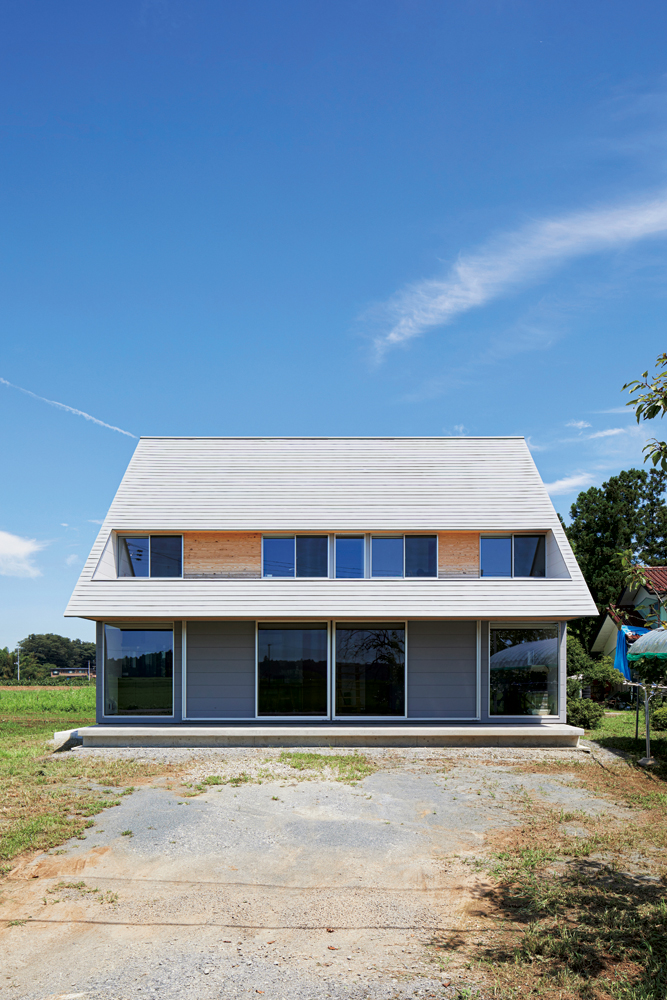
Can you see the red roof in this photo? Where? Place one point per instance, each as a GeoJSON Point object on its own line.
{"type": "Point", "coordinates": [656, 577]}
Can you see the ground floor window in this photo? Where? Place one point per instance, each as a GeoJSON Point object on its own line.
{"type": "Point", "coordinates": [370, 669]}
{"type": "Point", "coordinates": [138, 671]}
{"type": "Point", "coordinates": [292, 669]}
{"type": "Point", "coordinates": [523, 670]}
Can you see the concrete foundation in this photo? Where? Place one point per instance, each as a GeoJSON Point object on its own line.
{"type": "Point", "coordinates": [556, 735]}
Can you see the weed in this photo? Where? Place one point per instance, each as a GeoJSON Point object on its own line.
{"type": "Point", "coordinates": [213, 779]}
{"type": "Point", "coordinates": [47, 798]}
{"type": "Point", "coordinates": [346, 767]}
{"type": "Point", "coordinates": [127, 833]}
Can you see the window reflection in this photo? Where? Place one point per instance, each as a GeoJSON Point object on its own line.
{"type": "Point", "coordinates": [421, 555]}
{"type": "Point", "coordinates": [387, 556]}
{"type": "Point", "coordinates": [292, 669]}
{"type": "Point", "coordinates": [524, 671]}
{"type": "Point", "coordinates": [496, 556]}
{"type": "Point", "coordinates": [370, 669]}
{"type": "Point", "coordinates": [350, 557]}
{"type": "Point", "coordinates": [312, 555]}
{"type": "Point", "coordinates": [133, 556]}
{"type": "Point", "coordinates": [166, 555]}
{"type": "Point", "coordinates": [529, 555]}
{"type": "Point", "coordinates": [138, 668]}
{"type": "Point", "coordinates": [279, 556]}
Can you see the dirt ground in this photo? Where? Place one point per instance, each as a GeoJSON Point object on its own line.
{"type": "Point", "coordinates": [273, 884]}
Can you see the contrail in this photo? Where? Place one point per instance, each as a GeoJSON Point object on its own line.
{"type": "Point", "coordinates": [68, 409]}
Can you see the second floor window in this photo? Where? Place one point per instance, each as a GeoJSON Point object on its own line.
{"type": "Point", "coordinates": [396, 556]}
{"type": "Point", "coordinates": [300, 555]}
{"type": "Point", "coordinates": [404, 556]}
{"type": "Point", "coordinates": [150, 555]}
{"type": "Point", "coordinates": [513, 555]}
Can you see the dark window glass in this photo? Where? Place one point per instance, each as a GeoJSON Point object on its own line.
{"type": "Point", "coordinates": [529, 558]}
{"type": "Point", "coordinates": [138, 668]}
{"type": "Point", "coordinates": [279, 556]}
{"type": "Point", "coordinates": [166, 555]}
{"type": "Point", "coordinates": [524, 671]}
{"type": "Point", "coordinates": [421, 555]}
{"type": "Point", "coordinates": [133, 556]}
{"type": "Point", "coordinates": [387, 557]}
{"type": "Point", "coordinates": [370, 669]}
{"type": "Point", "coordinates": [292, 669]}
{"type": "Point", "coordinates": [312, 555]}
{"type": "Point", "coordinates": [350, 558]}
{"type": "Point", "coordinates": [497, 556]}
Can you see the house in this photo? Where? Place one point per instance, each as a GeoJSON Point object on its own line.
{"type": "Point", "coordinates": [336, 582]}
{"type": "Point", "coordinates": [73, 672]}
{"type": "Point", "coordinates": [636, 608]}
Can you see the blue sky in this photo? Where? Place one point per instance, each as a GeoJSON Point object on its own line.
{"type": "Point", "coordinates": [410, 217]}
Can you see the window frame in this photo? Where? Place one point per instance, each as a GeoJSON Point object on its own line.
{"type": "Point", "coordinates": [403, 536]}
{"type": "Point", "coordinates": [512, 535]}
{"type": "Point", "coordinates": [362, 535]}
{"type": "Point", "coordinates": [272, 621]}
{"type": "Point", "coordinates": [372, 718]}
{"type": "Point", "coordinates": [527, 625]}
{"type": "Point", "coordinates": [151, 627]}
{"type": "Point", "coordinates": [299, 534]}
{"type": "Point", "coordinates": [141, 534]}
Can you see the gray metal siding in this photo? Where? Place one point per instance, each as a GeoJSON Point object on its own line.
{"type": "Point", "coordinates": [220, 670]}
{"type": "Point", "coordinates": [442, 670]}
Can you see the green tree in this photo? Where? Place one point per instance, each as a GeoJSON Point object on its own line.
{"type": "Point", "coordinates": [57, 651]}
{"type": "Point", "coordinates": [650, 400]}
{"type": "Point", "coordinates": [7, 668]}
{"type": "Point", "coordinates": [628, 512]}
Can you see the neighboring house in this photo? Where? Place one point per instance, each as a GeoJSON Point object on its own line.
{"type": "Point", "coordinates": [312, 580]}
{"type": "Point", "coordinates": [73, 672]}
{"type": "Point", "coordinates": [636, 608]}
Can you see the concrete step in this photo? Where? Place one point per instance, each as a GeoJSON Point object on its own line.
{"type": "Point", "coordinates": [546, 735]}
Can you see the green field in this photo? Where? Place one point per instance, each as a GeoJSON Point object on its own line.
{"type": "Point", "coordinates": [77, 702]}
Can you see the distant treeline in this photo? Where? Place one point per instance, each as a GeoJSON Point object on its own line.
{"type": "Point", "coordinates": [40, 654]}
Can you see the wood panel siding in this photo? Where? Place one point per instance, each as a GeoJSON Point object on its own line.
{"type": "Point", "coordinates": [458, 553]}
{"type": "Point", "coordinates": [226, 554]}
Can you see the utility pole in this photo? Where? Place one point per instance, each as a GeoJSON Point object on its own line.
{"type": "Point", "coordinates": [88, 671]}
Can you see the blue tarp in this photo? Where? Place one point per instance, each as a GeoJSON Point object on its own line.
{"type": "Point", "coordinates": [621, 658]}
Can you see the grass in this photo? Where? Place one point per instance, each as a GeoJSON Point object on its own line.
{"type": "Point", "coordinates": [345, 767]}
{"type": "Point", "coordinates": [568, 920]}
{"type": "Point", "coordinates": [26, 703]}
{"type": "Point", "coordinates": [46, 798]}
{"type": "Point", "coordinates": [617, 732]}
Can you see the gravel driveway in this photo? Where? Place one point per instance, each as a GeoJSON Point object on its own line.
{"type": "Point", "coordinates": [290, 888]}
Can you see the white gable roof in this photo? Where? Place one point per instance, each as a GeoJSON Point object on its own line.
{"type": "Point", "coordinates": [325, 484]}
{"type": "Point", "coordinates": [331, 484]}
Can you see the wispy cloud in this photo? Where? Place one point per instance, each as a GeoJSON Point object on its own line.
{"type": "Point", "coordinates": [568, 484]}
{"type": "Point", "coordinates": [510, 261]}
{"type": "Point", "coordinates": [92, 520]}
{"type": "Point", "coordinates": [618, 409]}
{"type": "Point", "coordinates": [579, 424]}
{"type": "Point", "coordinates": [72, 559]}
{"type": "Point", "coordinates": [68, 409]}
{"type": "Point", "coordinates": [611, 432]}
{"type": "Point", "coordinates": [16, 555]}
